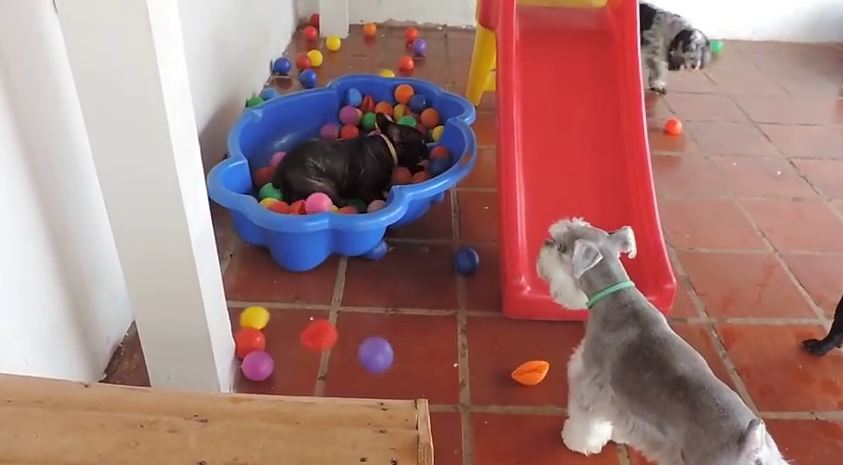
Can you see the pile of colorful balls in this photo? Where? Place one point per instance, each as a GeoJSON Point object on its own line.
{"type": "Point", "coordinates": [357, 117]}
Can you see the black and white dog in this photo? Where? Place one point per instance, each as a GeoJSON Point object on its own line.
{"type": "Point", "coordinates": [669, 43]}
{"type": "Point", "coordinates": [833, 339]}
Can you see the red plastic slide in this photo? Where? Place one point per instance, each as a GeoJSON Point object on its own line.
{"type": "Point", "coordinates": [572, 141]}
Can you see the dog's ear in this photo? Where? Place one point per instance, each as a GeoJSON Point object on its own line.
{"type": "Point", "coordinates": [387, 127]}
{"type": "Point", "coordinates": [624, 240]}
{"type": "Point", "coordinates": [751, 444]}
{"type": "Point", "coordinates": [586, 255]}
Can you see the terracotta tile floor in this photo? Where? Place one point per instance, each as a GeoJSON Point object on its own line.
{"type": "Point", "coordinates": [751, 198]}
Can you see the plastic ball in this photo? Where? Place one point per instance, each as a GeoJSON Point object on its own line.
{"type": "Point", "coordinates": [276, 158]}
{"type": "Point", "coordinates": [314, 20]}
{"type": "Point", "coordinates": [282, 65]}
{"type": "Point", "coordinates": [440, 151]}
{"type": "Point", "coordinates": [268, 93]}
{"type": "Point", "coordinates": [375, 205]}
{"type": "Point", "coordinates": [466, 261]}
{"type": "Point", "coordinates": [406, 63]}
{"type": "Point", "coordinates": [673, 126]}
{"type": "Point", "coordinates": [420, 47]}
{"type": "Point", "coordinates": [358, 204]}
{"type": "Point", "coordinates": [329, 131]}
{"type": "Point", "coordinates": [436, 133]}
{"type": "Point", "coordinates": [303, 61]}
{"type": "Point", "coordinates": [347, 210]}
{"type": "Point", "coordinates": [399, 111]}
{"type": "Point", "coordinates": [350, 115]}
{"type": "Point", "coordinates": [268, 202]}
{"type": "Point", "coordinates": [716, 46]}
{"type": "Point", "coordinates": [370, 30]}
{"type": "Point", "coordinates": [279, 207]}
{"type": "Point", "coordinates": [367, 104]}
{"type": "Point", "coordinates": [253, 101]}
{"type": "Point", "coordinates": [262, 176]}
{"type": "Point", "coordinates": [254, 317]}
{"type": "Point", "coordinates": [317, 202]}
{"type": "Point", "coordinates": [430, 117]}
{"type": "Point", "coordinates": [375, 354]}
{"type": "Point", "coordinates": [308, 78]}
{"type": "Point", "coordinates": [268, 191]}
{"type": "Point", "coordinates": [349, 132]}
{"type": "Point", "coordinates": [367, 122]}
{"type": "Point", "coordinates": [421, 176]}
{"type": "Point", "coordinates": [401, 175]}
{"type": "Point", "coordinates": [257, 366]}
{"type": "Point", "coordinates": [439, 166]}
{"type": "Point", "coordinates": [247, 340]}
{"type": "Point", "coordinates": [353, 97]}
{"type": "Point", "coordinates": [318, 335]}
{"type": "Point", "coordinates": [333, 43]}
{"type": "Point", "coordinates": [403, 93]}
{"type": "Point", "coordinates": [316, 58]}
{"type": "Point", "coordinates": [377, 253]}
{"type": "Point", "coordinates": [418, 103]}
{"type": "Point", "coordinates": [311, 33]}
{"type": "Point", "coordinates": [298, 208]}
{"type": "Point", "coordinates": [387, 73]}
{"type": "Point", "coordinates": [411, 34]}
{"type": "Point", "coordinates": [407, 120]}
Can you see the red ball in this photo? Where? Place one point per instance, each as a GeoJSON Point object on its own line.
{"type": "Point", "coordinates": [279, 207]}
{"type": "Point", "coordinates": [303, 61]}
{"type": "Point", "coordinates": [319, 335]}
{"type": "Point", "coordinates": [673, 126]}
{"type": "Point", "coordinates": [263, 176]}
{"type": "Point", "coordinates": [349, 132]}
{"type": "Point", "coordinates": [314, 20]}
{"type": "Point", "coordinates": [401, 175]}
{"type": "Point", "coordinates": [368, 104]}
{"type": "Point", "coordinates": [297, 208]}
{"type": "Point", "coordinates": [406, 63]}
{"type": "Point", "coordinates": [247, 340]}
{"type": "Point", "coordinates": [411, 34]}
{"type": "Point", "coordinates": [311, 33]}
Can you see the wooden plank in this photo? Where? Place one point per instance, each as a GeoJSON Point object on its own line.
{"type": "Point", "coordinates": [57, 422]}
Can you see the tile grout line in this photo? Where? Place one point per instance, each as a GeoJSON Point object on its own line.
{"type": "Point", "coordinates": [336, 299]}
{"type": "Point", "coordinates": [623, 455]}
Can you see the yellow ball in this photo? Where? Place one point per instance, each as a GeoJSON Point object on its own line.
{"type": "Point", "coordinates": [387, 73]}
{"type": "Point", "coordinates": [333, 43]}
{"type": "Point", "coordinates": [316, 58]}
{"type": "Point", "coordinates": [265, 203]}
{"type": "Point", "coordinates": [437, 133]}
{"type": "Point", "coordinates": [254, 317]}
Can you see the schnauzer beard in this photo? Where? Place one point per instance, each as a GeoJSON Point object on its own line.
{"type": "Point", "coordinates": [557, 269]}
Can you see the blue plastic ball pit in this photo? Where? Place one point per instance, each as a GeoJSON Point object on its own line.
{"type": "Point", "coordinates": [301, 243]}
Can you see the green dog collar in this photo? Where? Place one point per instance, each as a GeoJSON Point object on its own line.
{"type": "Point", "coordinates": [592, 301]}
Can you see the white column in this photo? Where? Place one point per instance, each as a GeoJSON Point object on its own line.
{"type": "Point", "coordinates": [333, 18]}
{"type": "Point", "coordinates": [128, 63]}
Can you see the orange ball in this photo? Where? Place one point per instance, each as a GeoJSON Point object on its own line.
{"type": "Point", "coordinates": [297, 208]}
{"type": "Point", "coordinates": [279, 207]}
{"type": "Point", "coordinates": [247, 340]}
{"type": "Point", "coordinates": [349, 132]}
{"type": "Point", "coordinates": [384, 107]}
{"type": "Point", "coordinates": [347, 210]}
{"type": "Point", "coordinates": [439, 152]}
{"type": "Point", "coordinates": [421, 176]}
{"type": "Point", "coordinates": [411, 34]}
{"type": "Point", "coordinates": [403, 93]}
{"type": "Point", "coordinates": [429, 117]}
{"type": "Point", "coordinates": [263, 176]}
{"type": "Point", "coordinates": [370, 30]}
{"type": "Point", "coordinates": [406, 63]}
{"type": "Point", "coordinates": [401, 175]}
{"type": "Point", "coordinates": [673, 126]}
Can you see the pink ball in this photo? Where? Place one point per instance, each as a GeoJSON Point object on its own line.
{"type": "Point", "coordinates": [376, 205]}
{"type": "Point", "coordinates": [329, 132]}
{"type": "Point", "coordinates": [350, 115]}
{"type": "Point", "coordinates": [318, 202]}
{"type": "Point", "coordinates": [257, 366]}
{"type": "Point", "coordinates": [276, 158]}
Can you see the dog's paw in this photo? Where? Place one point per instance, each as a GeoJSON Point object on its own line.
{"type": "Point", "coordinates": [817, 347]}
{"type": "Point", "coordinates": [659, 87]}
{"type": "Point", "coordinates": [586, 437]}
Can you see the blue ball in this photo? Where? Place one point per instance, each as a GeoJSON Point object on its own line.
{"type": "Point", "coordinates": [308, 78]}
{"type": "Point", "coordinates": [353, 97]}
{"type": "Point", "coordinates": [269, 93]}
{"type": "Point", "coordinates": [375, 354]}
{"type": "Point", "coordinates": [466, 261]}
{"type": "Point", "coordinates": [420, 47]}
{"type": "Point", "coordinates": [282, 65]}
{"type": "Point", "coordinates": [378, 252]}
{"type": "Point", "coordinates": [439, 165]}
{"type": "Point", "coordinates": [418, 103]}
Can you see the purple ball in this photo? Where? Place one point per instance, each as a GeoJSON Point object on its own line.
{"type": "Point", "coordinates": [420, 47]}
{"type": "Point", "coordinates": [350, 115]}
{"type": "Point", "coordinates": [375, 354]}
{"type": "Point", "coordinates": [257, 366]}
{"type": "Point", "coordinates": [329, 131]}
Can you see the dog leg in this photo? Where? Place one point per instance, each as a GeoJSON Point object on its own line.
{"type": "Point", "coordinates": [656, 70]}
{"type": "Point", "coordinates": [583, 431]}
{"type": "Point", "coordinates": [834, 338]}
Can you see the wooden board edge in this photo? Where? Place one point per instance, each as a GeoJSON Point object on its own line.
{"type": "Point", "coordinates": [425, 435]}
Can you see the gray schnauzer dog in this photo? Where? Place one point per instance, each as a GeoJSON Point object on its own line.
{"type": "Point", "coordinates": [632, 379]}
{"type": "Point", "coordinates": [669, 43]}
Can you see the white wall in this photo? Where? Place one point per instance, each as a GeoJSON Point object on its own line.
{"type": "Point", "coordinates": [65, 303]}
{"type": "Point", "coordinates": [800, 21]}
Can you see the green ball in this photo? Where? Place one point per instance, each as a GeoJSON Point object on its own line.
{"type": "Point", "coordinates": [254, 101]}
{"type": "Point", "coordinates": [367, 122]}
{"type": "Point", "coordinates": [716, 46]}
{"type": "Point", "coordinates": [358, 204]}
{"type": "Point", "coordinates": [407, 120]}
{"type": "Point", "coordinates": [268, 191]}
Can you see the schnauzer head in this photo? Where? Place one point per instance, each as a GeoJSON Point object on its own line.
{"type": "Point", "coordinates": [690, 49]}
{"type": "Point", "coordinates": [409, 142]}
{"type": "Point", "coordinates": [575, 247]}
